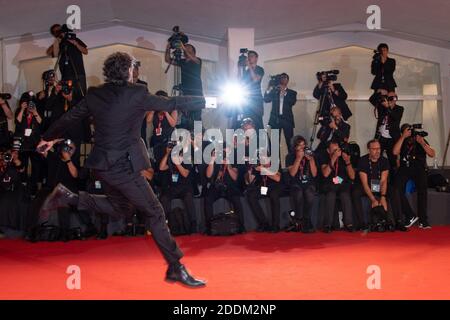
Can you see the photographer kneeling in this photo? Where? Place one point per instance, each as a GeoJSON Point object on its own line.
{"type": "Point", "coordinates": [179, 186]}
{"type": "Point", "coordinates": [413, 150]}
{"type": "Point", "coordinates": [303, 172]}
{"type": "Point", "coordinates": [261, 182]}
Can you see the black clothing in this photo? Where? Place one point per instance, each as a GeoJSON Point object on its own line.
{"type": "Point", "coordinates": [326, 134]}
{"type": "Point", "coordinates": [284, 119]}
{"type": "Point", "coordinates": [373, 169]}
{"type": "Point", "coordinates": [71, 58]}
{"type": "Point", "coordinates": [119, 154]}
{"type": "Point", "coordinates": [254, 107]}
{"type": "Point", "coordinates": [339, 100]}
{"type": "Point", "coordinates": [384, 74]}
{"type": "Point", "coordinates": [338, 170]}
{"type": "Point", "coordinates": [144, 122]}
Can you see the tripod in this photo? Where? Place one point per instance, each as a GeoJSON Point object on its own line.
{"type": "Point", "coordinates": [326, 94]}
{"type": "Point", "coordinates": [68, 58]}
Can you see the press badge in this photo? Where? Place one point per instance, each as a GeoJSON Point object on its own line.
{"type": "Point", "coordinates": [375, 185]}
{"type": "Point", "coordinates": [158, 131]}
{"type": "Point", "coordinates": [338, 180]}
{"type": "Point", "coordinates": [98, 185]}
{"type": "Point", "coordinates": [28, 132]}
{"type": "Point", "coordinates": [175, 177]}
{"type": "Point", "coordinates": [264, 191]}
{"type": "Point", "coordinates": [304, 179]}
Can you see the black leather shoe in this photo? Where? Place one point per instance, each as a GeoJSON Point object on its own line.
{"type": "Point", "coordinates": [103, 234]}
{"type": "Point", "coordinates": [59, 198]}
{"type": "Point", "coordinates": [327, 229]}
{"type": "Point", "coordinates": [180, 274]}
{"type": "Point", "coordinates": [401, 228]}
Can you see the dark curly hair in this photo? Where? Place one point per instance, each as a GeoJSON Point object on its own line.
{"type": "Point", "coordinates": [116, 68]}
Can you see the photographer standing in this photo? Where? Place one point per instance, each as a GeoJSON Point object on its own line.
{"type": "Point", "coordinates": [5, 115]}
{"type": "Point", "coordinates": [331, 94]}
{"type": "Point", "coordinates": [302, 169]}
{"type": "Point", "coordinates": [283, 99]}
{"type": "Point", "coordinates": [338, 174]}
{"type": "Point", "coordinates": [383, 69]}
{"type": "Point", "coordinates": [48, 92]}
{"type": "Point", "coordinates": [251, 78]}
{"type": "Point", "coordinates": [191, 80]}
{"type": "Point", "coordinates": [389, 116]}
{"type": "Point", "coordinates": [28, 132]}
{"type": "Point", "coordinates": [69, 49]}
{"type": "Point", "coordinates": [413, 150]}
{"type": "Point", "coordinates": [333, 128]}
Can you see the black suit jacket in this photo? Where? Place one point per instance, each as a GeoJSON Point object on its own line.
{"type": "Point", "coordinates": [118, 111]}
{"type": "Point", "coordinates": [339, 100]}
{"type": "Point", "coordinates": [341, 134]}
{"type": "Point", "coordinates": [287, 119]}
{"type": "Point", "coordinates": [386, 69]}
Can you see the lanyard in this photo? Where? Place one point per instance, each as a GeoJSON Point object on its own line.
{"type": "Point", "coordinates": [302, 167]}
{"type": "Point", "coordinates": [336, 167]}
{"type": "Point", "coordinates": [29, 120]}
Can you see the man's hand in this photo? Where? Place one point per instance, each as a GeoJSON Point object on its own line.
{"type": "Point", "coordinates": [299, 154]}
{"type": "Point", "coordinates": [45, 146]}
{"type": "Point", "coordinates": [24, 105]}
{"type": "Point", "coordinates": [346, 157]}
{"type": "Point", "coordinates": [309, 158]}
{"type": "Point", "coordinates": [73, 41]}
{"type": "Point", "coordinates": [58, 87]}
{"type": "Point", "coordinates": [420, 140]}
{"type": "Point", "coordinates": [375, 203]}
{"type": "Point", "coordinates": [68, 97]}
{"type": "Point", "coordinates": [333, 125]}
{"type": "Point", "coordinates": [383, 202]}
{"type": "Point", "coordinates": [2, 101]}
{"type": "Point", "coordinates": [66, 155]}
{"type": "Point", "coordinates": [147, 174]}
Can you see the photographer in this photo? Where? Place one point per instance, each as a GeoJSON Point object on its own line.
{"type": "Point", "coordinates": [283, 99]}
{"type": "Point", "coordinates": [302, 170]}
{"type": "Point", "coordinates": [48, 92]}
{"type": "Point", "coordinates": [373, 173]}
{"type": "Point", "coordinates": [191, 80]}
{"type": "Point", "coordinates": [338, 173]}
{"type": "Point", "coordinates": [13, 204]}
{"type": "Point", "coordinates": [223, 183]}
{"type": "Point", "coordinates": [251, 78]}
{"type": "Point", "coordinates": [179, 186]}
{"type": "Point", "coordinates": [5, 115]}
{"type": "Point", "coordinates": [27, 136]}
{"type": "Point", "coordinates": [69, 49]}
{"type": "Point", "coordinates": [61, 103]}
{"type": "Point", "coordinates": [331, 94]}
{"type": "Point", "coordinates": [389, 116]}
{"type": "Point", "coordinates": [334, 128]}
{"type": "Point", "coordinates": [163, 125]}
{"type": "Point", "coordinates": [63, 170]}
{"type": "Point", "coordinates": [261, 182]}
{"type": "Point", "coordinates": [413, 150]}
{"type": "Point", "coordinates": [383, 69]}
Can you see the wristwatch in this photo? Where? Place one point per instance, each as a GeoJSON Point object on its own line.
{"type": "Point", "coordinates": [67, 161]}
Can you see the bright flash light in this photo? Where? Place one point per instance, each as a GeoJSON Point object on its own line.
{"type": "Point", "coordinates": [234, 94]}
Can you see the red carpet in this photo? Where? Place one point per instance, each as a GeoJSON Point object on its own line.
{"type": "Point", "coordinates": [414, 265]}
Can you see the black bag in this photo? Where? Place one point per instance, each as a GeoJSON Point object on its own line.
{"type": "Point", "coordinates": [438, 182]}
{"type": "Point", "coordinates": [176, 222]}
{"type": "Point", "coordinates": [225, 224]}
{"type": "Point", "coordinates": [45, 232]}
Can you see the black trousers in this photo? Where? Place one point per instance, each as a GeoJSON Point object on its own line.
{"type": "Point", "coordinates": [358, 193]}
{"type": "Point", "coordinates": [388, 145]}
{"type": "Point", "coordinates": [419, 176]}
{"type": "Point", "coordinates": [253, 194]}
{"type": "Point", "coordinates": [36, 166]}
{"type": "Point", "coordinates": [213, 194]}
{"type": "Point", "coordinates": [184, 193]}
{"type": "Point", "coordinates": [303, 198]}
{"type": "Point", "coordinates": [125, 189]}
{"type": "Point", "coordinates": [331, 191]}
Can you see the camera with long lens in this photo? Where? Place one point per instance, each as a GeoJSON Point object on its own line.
{"type": "Point", "coordinates": [330, 75]}
{"type": "Point", "coordinates": [417, 130]}
{"type": "Point", "coordinates": [47, 76]}
{"type": "Point", "coordinates": [31, 106]}
{"type": "Point", "coordinates": [171, 144]}
{"type": "Point", "coordinates": [7, 157]}
{"type": "Point", "coordinates": [377, 55]}
{"type": "Point", "coordinates": [68, 33]}
{"type": "Point", "coordinates": [242, 62]}
{"type": "Point", "coordinates": [66, 87]}
{"type": "Point", "coordinates": [177, 38]}
{"type": "Point", "coordinates": [325, 120]}
{"type": "Point", "coordinates": [5, 96]}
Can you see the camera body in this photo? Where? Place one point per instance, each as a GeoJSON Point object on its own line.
{"type": "Point", "coordinates": [414, 130]}
{"type": "Point", "coordinates": [64, 146]}
{"type": "Point", "coordinates": [275, 80]}
{"type": "Point", "coordinates": [376, 56]}
{"type": "Point", "coordinates": [17, 144]}
{"type": "Point", "coordinates": [66, 87]}
{"type": "Point", "coordinates": [242, 62]}
{"type": "Point", "coordinates": [5, 96]}
{"type": "Point", "coordinates": [7, 157]}
{"type": "Point", "coordinates": [309, 152]}
{"type": "Point", "coordinates": [177, 38]}
{"type": "Point", "coordinates": [68, 33]}
{"type": "Point", "coordinates": [171, 144]}
{"type": "Point", "coordinates": [47, 76]}
{"type": "Point", "coordinates": [331, 75]}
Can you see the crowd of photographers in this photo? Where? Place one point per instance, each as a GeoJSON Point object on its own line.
{"type": "Point", "coordinates": [334, 172]}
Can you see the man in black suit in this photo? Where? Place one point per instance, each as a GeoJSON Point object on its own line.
{"type": "Point", "coordinates": [283, 99]}
{"type": "Point", "coordinates": [119, 155]}
{"type": "Point", "coordinates": [383, 69]}
{"type": "Point", "coordinates": [333, 128]}
{"type": "Point", "coordinates": [389, 116]}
